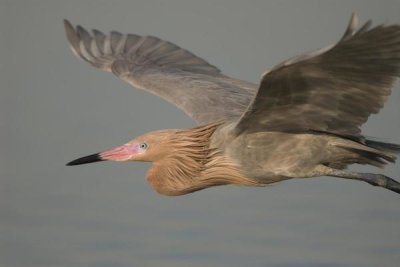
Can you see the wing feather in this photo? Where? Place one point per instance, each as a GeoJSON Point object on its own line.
{"type": "Point", "coordinates": [164, 69]}
{"type": "Point", "coordinates": [333, 90]}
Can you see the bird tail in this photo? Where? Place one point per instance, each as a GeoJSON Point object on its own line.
{"type": "Point", "coordinates": [383, 146]}
{"type": "Point", "coordinates": [363, 150]}
{"type": "Point", "coordinates": [368, 151]}
{"type": "Point", "coordinates": [386, 152]}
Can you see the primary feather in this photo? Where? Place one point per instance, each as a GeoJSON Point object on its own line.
{"type": "Point", "coordinates": [334, 90]}
{"type": "Point", "coordinates": [166, 70]}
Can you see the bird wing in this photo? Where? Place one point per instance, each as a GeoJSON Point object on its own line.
{"type": "Point", "coordinates": [334, 89]}
{"type": "Point", "coordinates": [166, 70]}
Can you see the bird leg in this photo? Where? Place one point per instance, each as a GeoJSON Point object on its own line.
{"type": "Point", "coordinates": [371, 178]}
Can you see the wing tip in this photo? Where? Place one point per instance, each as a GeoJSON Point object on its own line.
{"type": "Point", "coordinates": [67, 24]}
{"type": "Point", "coordinates": [353, 27]}
{"type": "Point", "coordinates": [69, 29]}
{"type": "Point", "coordinates": [82, 43]}
{"type": "Point", "coordinates": [72, 37]}
{"type": "Point", "coordinates": [354, 20]}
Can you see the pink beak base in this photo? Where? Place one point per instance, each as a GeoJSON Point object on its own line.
{"type": "Point", "coordinates": [120, 153]}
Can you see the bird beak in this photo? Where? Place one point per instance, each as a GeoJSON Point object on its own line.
{"type": "Point", "coordinates": [120, 153]}
{"type": "Point", "coordinates": [84, 160]}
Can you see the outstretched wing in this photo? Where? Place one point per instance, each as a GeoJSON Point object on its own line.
{"type": "Point", "coordinates": [166, 70]}
{"type": "Point", "coordinates": [334, 89]}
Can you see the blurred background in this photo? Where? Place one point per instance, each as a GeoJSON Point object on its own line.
{"type": "Point", "coordinates": [55, 108]}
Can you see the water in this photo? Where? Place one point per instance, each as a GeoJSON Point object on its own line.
{"type": "Point", "coordinates": [55, 108]}
{"type": "Point", "coordinates": [120, 222]}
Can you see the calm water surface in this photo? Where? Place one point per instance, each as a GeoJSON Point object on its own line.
{"type": "Point", "coordinates": [54, 108]}
{"type": "Point", "coordinates": [55, 220]}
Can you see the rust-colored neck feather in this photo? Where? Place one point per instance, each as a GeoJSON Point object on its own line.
{"type": "Point", "coordinates": [193, 165]}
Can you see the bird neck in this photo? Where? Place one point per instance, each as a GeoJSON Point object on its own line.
{"type": "Point", "coordinates": [193, 165]}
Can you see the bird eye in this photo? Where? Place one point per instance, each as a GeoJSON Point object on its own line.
{"type": "Point", "coordinates": [143, 146]}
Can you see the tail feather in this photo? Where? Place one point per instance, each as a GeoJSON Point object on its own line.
{"type": "Point", "coordinates": [364, 150]}
{"type": "Point", "coordinates": [383, 152]}
{"type": "Point", "coordinates": [387, 147]}
{"type": "Point", "coordinates": [368, 151]}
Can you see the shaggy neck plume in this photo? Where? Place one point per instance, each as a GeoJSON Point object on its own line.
{"type": "Point", "coordinates": [193, 165]}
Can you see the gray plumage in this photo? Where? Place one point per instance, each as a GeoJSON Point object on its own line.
{"type": "Point", "coordinates": [166, 70]}
{"type": "Point", "coordinates": [303, 121]}
{"type": "Point", "coordinates": [335, 90]}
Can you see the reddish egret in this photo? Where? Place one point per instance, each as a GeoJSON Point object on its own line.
{"type": "Point", "coordinates": [303, 121]}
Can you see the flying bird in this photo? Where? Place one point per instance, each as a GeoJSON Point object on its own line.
{"type": "Point", "coordinates": [303, 119]}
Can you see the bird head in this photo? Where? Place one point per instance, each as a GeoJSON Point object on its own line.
{"type": "Point", "coordinates": [148, 147]}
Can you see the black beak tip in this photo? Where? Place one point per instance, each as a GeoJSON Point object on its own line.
{"type": "Point", "coordinates": [84, 160]}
